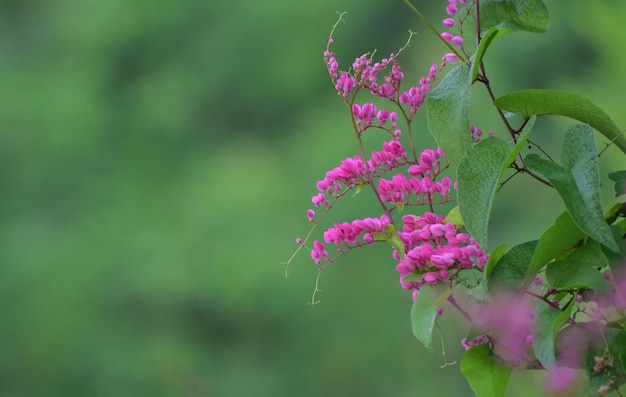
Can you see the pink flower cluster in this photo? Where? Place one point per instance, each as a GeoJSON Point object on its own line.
{"type": "Point", "coordinates": [421, 182]}
{"type": "Point", "coordinates": [352, 171]}
{"type": "Point", "coordinates": [477, 133]}
{"type": "Point", "coordinates": [365, 75]}
{"type": "Point", "coordinates": [348, 235]}
{"type": "Point", "coordinates": [455, 38]}
{"type": "Point", "coordinates": [435, 251]}
{"type": "Point", "coordinates": [366, 115]}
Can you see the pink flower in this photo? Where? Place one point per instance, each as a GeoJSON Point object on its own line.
{"type": "Point", "coordinates": [451, 10]}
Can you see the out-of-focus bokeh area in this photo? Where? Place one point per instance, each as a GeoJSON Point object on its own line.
{"type": "Point", "coordinates": [156, 162]}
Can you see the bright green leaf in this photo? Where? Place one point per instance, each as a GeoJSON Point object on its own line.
{"type": "Point", "coordinates": [493, 260]}
{"type": "Point", "coordinates": [488, 38]}
{"type": "Point", "coordinates": [522, 138]}
{"type": "Point", "coordinates": [578, 183]}
{"type": "Point", "coordinates": [510, 271]}
{"type": "Point", "coordinates": [390, 235]}
{"type": "Point", "coordinates": [424, 313]}
{"type": "Point", "coordinates": [454, 216]}
{"type": "Point", "coordinates": [516, 15]}
{"type": "Point", "coordinates": [557, 239]}
{"type": "Point", "coordinates": [530, 102]}
{"type": "Point", "coordinates": [448, 107]}
{"type": "Point", "coordinates": [487, 376]}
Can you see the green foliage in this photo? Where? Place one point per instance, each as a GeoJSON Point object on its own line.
{"type": "Point", "coordinates": [541, 102]}
{"type": "Point", "coordinates": [547, 324]}
{"type": "Point", "coordinates": [424, 312]}
{"type": "Point", "coordinates": [509, 273]}
{"type": "Point", "coordinates": [448, 113]}
{"type": "Point", "coordinates": [479, 173]}
{"type": "Point", "coordinates": [488, 38]}
{"type": "Point", "coordinates": [578, 182]}
{"type": "Point", "coordinates": [556, 240]}
{"type": "Point", "coordinates": [619, 177]}
{"type": "Point", "coordinates": [515, 15]}
{"type": "Point", "coordinates": [485, 374]}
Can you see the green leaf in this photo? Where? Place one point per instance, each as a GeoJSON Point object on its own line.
{"type": "Point", "coordinates": [391, 236]}
{"type": "Point", "coordinates": [493, 260]}
{"type": "Point", "coordinates": [486, 375]}
{"type": "Point", "coordinates": [479, 175]}
{"type": "Point", "coordinates": [619, 177]}
{"type": "Point", "coordinates": [577, 271]}
{"type": "Point", "coordinates": [557, 239]}
{"type": "Point", "coordinates": [545, 327]}
{"type": "Point", "coordinates": [448, 107]}
{"type": "Point", "coordinates": [529, 102]}
{"type": "Point", "coordinates": [510, 271]}
{"type": "Point", "coordinates": [616, 259]}
{"type": "Point", "coordinates": [424, 313]}
{"type": "Point", "coordinates": [488, 38]}
{"type": "Point", "coordinates": [578, 183]}
{"type": "Point", "coordinates": [454, 216]}
{"type": "Point", "coordinates": [516, 15]}
{"type": "Point", "coordinates": [616, 211]}
{"type": "Point", "coordinates": [522, 138]}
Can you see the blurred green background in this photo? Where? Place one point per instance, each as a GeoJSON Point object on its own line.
{"type": "Point", "coordinates": [156, 161]}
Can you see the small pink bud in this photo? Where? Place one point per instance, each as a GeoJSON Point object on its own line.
{"type": "Point", "coordinates": [447, 36]}
{"type": "Point", "coordinates": [448, 22]}
{"type": "Point", "coordinates": [451, 10]}
{"type": "Point", "coordinates": [452, 58]}
{"type": "Point", "coordinates": [457, 41]}
{"type": "Point", "coordinates": [430, 278]}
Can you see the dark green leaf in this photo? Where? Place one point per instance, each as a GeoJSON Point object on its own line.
{"type": "Point", "coordinates": [524, 15]}
{"type": "Point", "coordinates": [570, 274]}
{"type": "Point", "coordinates": [539, 102]}
{"type": "Point", "coordinates": [557, 239]}
{"type": "Point", "coordinates": [615, 212]}
{"type": "Point", "coordinates": [487, 376]}
{"type": "Point", "coordinates": [617, 260]}
{"type": "Point", "coordinates": [547, 323]}
{"type": "Point", "coordinates": [510, 271]}
{"type": "Point", "coordinates": [578, 183]}
{"type": "Point", "coordinates": [448, 113]}
{"type": "Point", "coordinates": [619, 177]}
